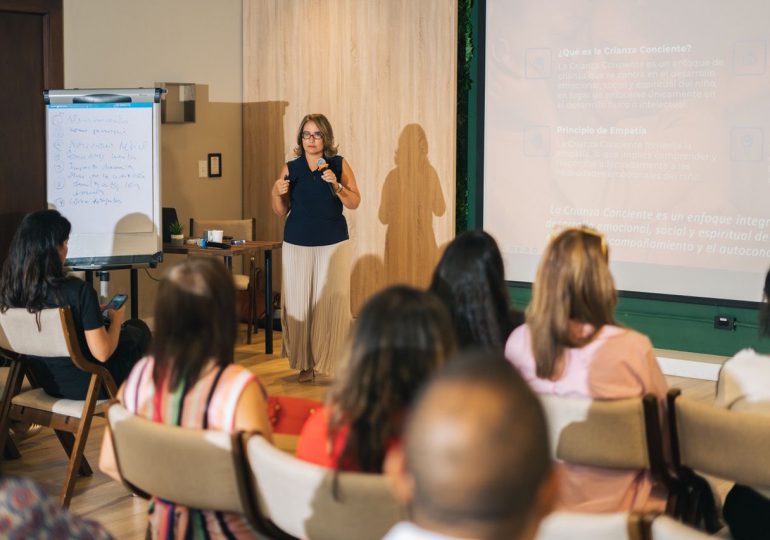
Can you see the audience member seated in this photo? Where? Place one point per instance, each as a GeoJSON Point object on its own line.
{"type": "Point", "coordinates": [572, 346]}
{"type": "Point", "coordinates": [474, 461]}
{"type": "Point", "coordinates": [470, 280]}
{"type": "Point", "coordinates": [190, 380]}
{"type": "Point", "coordinates": [744, 385]}
{"type": "Point", "coordinates": [33, 277]}
{"type": "Point", "coordinates": [26, 511]}
{"type": "Point", "coordinates": [400, 337]}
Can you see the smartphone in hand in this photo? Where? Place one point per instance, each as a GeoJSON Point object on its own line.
{"type": "Point", "coordinates": [117, 301]}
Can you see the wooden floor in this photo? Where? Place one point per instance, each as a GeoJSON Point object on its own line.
{"type": "Point", "coordinates": [100, 498]}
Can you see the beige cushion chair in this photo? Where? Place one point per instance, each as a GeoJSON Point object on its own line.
{"type": "Point", "coordinates": [585, 526]}
{"type": "Point", "coordinates": [313, 502]}
{"type": "Point", "coordinates": [197, 468]}
{"type": "Point", "coordinates": [730, 445]}
{"type": "Point", "coordinates": [51, 333]}
{"type": "Point", "coordinates": [239, 229]}
{"type": "Point", "coordinates": [660, 527]}
{"type": "Point", "coordinates": [604, 433]}
{"type": "Point", "coordinates": [616, 434]}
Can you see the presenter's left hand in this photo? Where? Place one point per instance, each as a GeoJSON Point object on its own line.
{"type": "Point", "coordinates": [329, 176]}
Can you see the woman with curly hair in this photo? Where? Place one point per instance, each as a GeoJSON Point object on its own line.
{"type": "Point", "coordinates": [400, 337]}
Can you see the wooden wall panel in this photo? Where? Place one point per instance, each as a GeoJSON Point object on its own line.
{"type": "Point", "coordinates": [384, 73]}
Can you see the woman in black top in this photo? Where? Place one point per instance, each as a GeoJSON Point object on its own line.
{"type": "Point", "coordinates": [315, 296]}
{"type": "Point", "coordinates": [470, 280]}
{"type": "Point", "coordinates": [33, 277]}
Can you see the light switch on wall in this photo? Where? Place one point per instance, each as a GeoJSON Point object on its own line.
{"type": "Point", "coordinates": [203, 168]}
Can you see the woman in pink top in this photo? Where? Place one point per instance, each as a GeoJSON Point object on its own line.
{"type": "Point", "coordinates": [572, 346]}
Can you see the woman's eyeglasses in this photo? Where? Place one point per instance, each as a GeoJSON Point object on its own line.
{"type": "Point", "coordinates": [316, 135]}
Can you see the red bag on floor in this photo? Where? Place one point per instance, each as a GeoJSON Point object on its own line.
{"type": "Point", "coordinates": [288, 414]}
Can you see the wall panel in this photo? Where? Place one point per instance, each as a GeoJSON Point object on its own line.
{"type": "Point", "coordinates": [384, 73]}
{"type": "Point", "coordinates": [124, 45]}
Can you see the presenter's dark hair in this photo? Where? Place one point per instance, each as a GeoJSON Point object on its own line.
{"type": "Point", "coordinates": [470, 280]}
{"type": "Point", "coordinates": [325, 127]}
{"type": "Point", "coordinates": [401, 336]}
{"type": "Point", "coordinates": [195, 321]}
{"type": "Point", "coordinates": [33, 266]}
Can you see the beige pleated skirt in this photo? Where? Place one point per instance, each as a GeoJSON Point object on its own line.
{"type": "Point", "coordinates": [315, 304]}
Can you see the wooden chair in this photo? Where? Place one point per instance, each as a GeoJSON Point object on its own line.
{"type": "Point", "coordinates": [197, 468]}
{"type": "Point", "coordinates": [9, 374]}
{"type": "Point", "coordinates": [51, 333]}
{"type": "Point", "coordinates": [586, 526]}
{"type": "Point", "coordinates": [731, 445]}
{"type": "Point", "coordinates": [239, 229]}
{"type": "Point", "coordinates": [615, 434]}
{"type": "Point", "coordinates": [313, 502]}
{"type": "Point", "coordinates": [662, 527]}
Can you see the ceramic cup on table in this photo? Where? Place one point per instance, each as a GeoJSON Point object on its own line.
{"type": "Point", "coordinates": [215, 235]}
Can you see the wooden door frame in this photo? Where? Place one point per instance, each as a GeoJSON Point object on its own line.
{"type": "Point", "coordinates": [53, 35]}
{"type": "Point", "coordinates": [49, 19]}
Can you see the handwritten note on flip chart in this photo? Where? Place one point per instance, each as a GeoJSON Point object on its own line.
{"type": "Point", "coordinates": [100, 163]}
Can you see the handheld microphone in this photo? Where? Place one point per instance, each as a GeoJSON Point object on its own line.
{"type": "Point", "coordinates": [321, 166]}
{"type": "Point", "coordinates": [218, 245]}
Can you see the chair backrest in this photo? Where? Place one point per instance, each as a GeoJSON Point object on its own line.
{"type": "Point", "coordinates": [48, 333]}
{"type": "Point", "coordinates": [731, 445]}
{"type": "Point", "coordinates": [585, 526]}
{"type": "Point", "coordinates": [309, 501]}
{"type": "Point", "coordinates": [239, 229]}
{"type": "Point", "coordinates": [666, 528]}
{"type": "Point", "coordinates": [20, 333]}
{"type": "Point", "coordinates": [622, 433]}
{"type": "Point", "coordinates": [197, 468]}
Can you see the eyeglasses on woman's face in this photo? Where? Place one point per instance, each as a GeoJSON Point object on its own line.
{"type": "Point", "coordinates": [315, 135]}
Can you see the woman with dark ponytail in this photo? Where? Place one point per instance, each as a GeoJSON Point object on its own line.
{"type": "Point", "coordinates": [470, 280]}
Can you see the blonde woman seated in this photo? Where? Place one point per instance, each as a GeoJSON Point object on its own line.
{"type": "Point", "coordinates": [572, 346]}
{"type": "Point", "coordinates": [190, 380]}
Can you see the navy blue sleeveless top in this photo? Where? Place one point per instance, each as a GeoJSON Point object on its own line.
{"type": "Point", "coordinates": [315, 215]}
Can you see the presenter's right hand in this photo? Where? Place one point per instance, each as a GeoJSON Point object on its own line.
{"type": "Point", "coordinates": [281, 187]}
